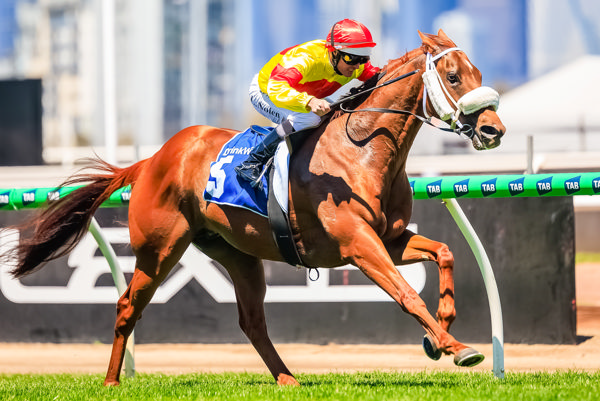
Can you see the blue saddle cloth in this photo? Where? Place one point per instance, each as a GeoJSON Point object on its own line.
{"type": "Point", "coordinates": [224, 186]}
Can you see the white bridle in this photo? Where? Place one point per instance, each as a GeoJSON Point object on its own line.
{"type": "Point", "coordinates": [470, 102]}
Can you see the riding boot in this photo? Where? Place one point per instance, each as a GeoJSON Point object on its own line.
{"type": "Point", "coordinates": [252, 168]}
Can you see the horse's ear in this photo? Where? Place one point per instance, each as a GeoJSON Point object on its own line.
{"type": "Point", "coordinates": [442, 35]}
{"type": "Point", "coordinates": [428, 42]}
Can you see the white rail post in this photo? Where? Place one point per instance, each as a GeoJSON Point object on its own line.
{"type": "Point", "coordinates": [119, 279]}
{"type": "Point", "coordinates": [489, 281]}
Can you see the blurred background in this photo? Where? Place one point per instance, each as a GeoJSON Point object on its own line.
{"type": "Point", "coordinates": [119, 77]}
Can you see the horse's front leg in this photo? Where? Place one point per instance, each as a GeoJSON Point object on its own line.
{"type": "Point", "coordinates": [412, 248]}
{"type": "Point", "coordinates": [368, 253]}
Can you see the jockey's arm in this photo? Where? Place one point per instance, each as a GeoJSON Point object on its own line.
{"type": "Point", "coordinates": [283, 95]}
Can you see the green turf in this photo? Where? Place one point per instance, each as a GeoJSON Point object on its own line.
{"type": "Point", "coordinates": [361, 386]}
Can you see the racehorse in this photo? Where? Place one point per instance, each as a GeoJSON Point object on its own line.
{"type": "Point", "coordinates": [350, 202]}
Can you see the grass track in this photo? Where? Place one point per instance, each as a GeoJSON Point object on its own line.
{"type": "Point", "coordinates": [360, 386]}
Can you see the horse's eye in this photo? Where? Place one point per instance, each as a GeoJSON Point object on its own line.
{"type": "Point", "coordinates": [452, 78]}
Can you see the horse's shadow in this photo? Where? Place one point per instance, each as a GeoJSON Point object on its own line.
{"type": "Point", "coordinates": [582, 339]}
{"type": "Point", "coordinates": [338, 190]}
{"type": "Point", "coordinates": [335, 186]}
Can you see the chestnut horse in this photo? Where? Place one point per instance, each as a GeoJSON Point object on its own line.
{"type": "Point", "coordinates": [349, 203]}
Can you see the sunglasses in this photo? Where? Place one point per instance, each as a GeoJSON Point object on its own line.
{"type": "Point", "coordinates": [352, 59]}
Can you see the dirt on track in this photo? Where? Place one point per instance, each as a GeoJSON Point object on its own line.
{"type": "Point", "coordinates": [306, 358]}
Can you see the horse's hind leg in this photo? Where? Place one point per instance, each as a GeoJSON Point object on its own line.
{"type": "Point", "coordinates": [129, 309]}
{"type": "Point", "coordinates": [153, 263]}
{"type": "Point", "coordinates": [248, 277]}
{"type": "Point", "coordinates": [412, 248]}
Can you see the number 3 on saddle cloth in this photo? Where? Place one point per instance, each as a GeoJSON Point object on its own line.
{"type": "Point", "coordinates": [226, 188]}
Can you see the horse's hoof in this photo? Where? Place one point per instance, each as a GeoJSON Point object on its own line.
{"type": "Point", "coordinates": [111, 383]}
{"type": "Point", "coordinates": [286, 380]}
{"type": "Point", "coordinates": [431, 350]}
{"type": "Point", "coordinates": [468, 357]}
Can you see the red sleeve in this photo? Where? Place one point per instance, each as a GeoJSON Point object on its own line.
{"type": "Point", "coordinates": [290, 75]}
{"type": "Point", "coordinates": [369, 71]}
{"type": "Point", "coordinates": [282, 91]}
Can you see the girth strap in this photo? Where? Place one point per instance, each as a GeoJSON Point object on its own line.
{"type": "Point", "coordinates": [280, 227]}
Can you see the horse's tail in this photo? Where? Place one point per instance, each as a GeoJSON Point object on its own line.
{"type": "Point", "coordinates": [56, 230]}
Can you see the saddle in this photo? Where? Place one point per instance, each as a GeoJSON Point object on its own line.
{"type": "Point", "coordinates": [224, 187]}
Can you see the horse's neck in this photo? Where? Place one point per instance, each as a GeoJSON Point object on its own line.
{"type": "Point", "coordinates": [373, 142]}
{"type": "Point", "coordinates": [393, 134]}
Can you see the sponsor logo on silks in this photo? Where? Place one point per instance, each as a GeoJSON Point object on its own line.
{"type": "Point", "coordinates": [516, 187]}
{"type": "Point", "coordinates": [125, 195]}
{"type": "Point", "coordinates": [544, 186]}
{"type": "Point", "coordinates": [412, 187]}
{"type": "Point", "coordinates": [28, 198]}
{"type": "Point", "coordinates": [596, 185]}
{"type": "Point", "coordinates": [572, 185]}
{"type": "Point", "coordinates": [461, 188]}
{"type": "Point", "coordinates": [434, 189]}
{"type": "Point", "coordinates": [489, 187]}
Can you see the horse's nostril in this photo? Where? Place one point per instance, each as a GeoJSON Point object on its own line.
{"type": "Point", "coordinates": [490, 132]}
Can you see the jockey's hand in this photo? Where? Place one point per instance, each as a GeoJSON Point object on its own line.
{"type": "Point", "coordinates": [319, 106]}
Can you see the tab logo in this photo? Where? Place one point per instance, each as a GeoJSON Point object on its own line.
{"type": "Point", "coordinates": [125, 195]}
{"type": "Point", "coordinates": [412, 187]}
{"type": "Point", "coordinates": [572, 185]}
{"type": "Point", "coordinates": [489, 187]}
{"type": "Point", "coordinates": [28, 197]}
{"type": "Point", "coordinates": [461, 188]}
{"type": "Point", "coordinates": [4, 198]}
{"type": "Point", "coordinates": [53, 196]}
{"type": "Point", "coordinates": [434, 189]}
{"type": "Point", "coordinates": [596, 185]}
{"type": "Point", "coordinates": [544, 186]}
{"type": "Point", "coordinates": [516, 187]}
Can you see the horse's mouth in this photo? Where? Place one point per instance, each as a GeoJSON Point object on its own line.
{"type": "Point", "coordinates": [486, 138]}
{"type": "Point", "coordinates": [479, 145]}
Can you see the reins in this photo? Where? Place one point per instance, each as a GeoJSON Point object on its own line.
{"type": "Point", "coordinates": [464, 129]}
{"type": "Point", "coordinates": [360, 93]}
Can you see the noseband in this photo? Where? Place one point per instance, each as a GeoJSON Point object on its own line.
{"type": "Point", "coordinates": [472, 101]}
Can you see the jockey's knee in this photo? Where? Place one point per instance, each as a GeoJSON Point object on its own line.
{"type": "Point", "coordinates": [302, 121]}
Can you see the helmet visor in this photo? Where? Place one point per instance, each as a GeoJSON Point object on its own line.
{"type": "Point", "coordinates": [353, 59]}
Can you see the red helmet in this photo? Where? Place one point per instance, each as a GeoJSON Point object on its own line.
{"type": "Point", "coordinates": [350, 36]}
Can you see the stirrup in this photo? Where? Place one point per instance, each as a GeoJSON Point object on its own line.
{"type": "Point", "coordinates": [257, 183]}
{"type": "Point", "coordinates": [253, 172]}
{"type": "Point", "coordinates": [254, 167]}
{"type": "Point", "coordinates": [247, 171]}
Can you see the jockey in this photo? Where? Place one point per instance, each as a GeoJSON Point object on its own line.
{"type": "Point", "coordinates": [290, 90]}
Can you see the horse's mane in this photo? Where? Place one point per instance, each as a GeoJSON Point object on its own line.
{"type": "Point", "coordinates": [388, 69]}
{"type": "Point", "coordinates": [352, 104]}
